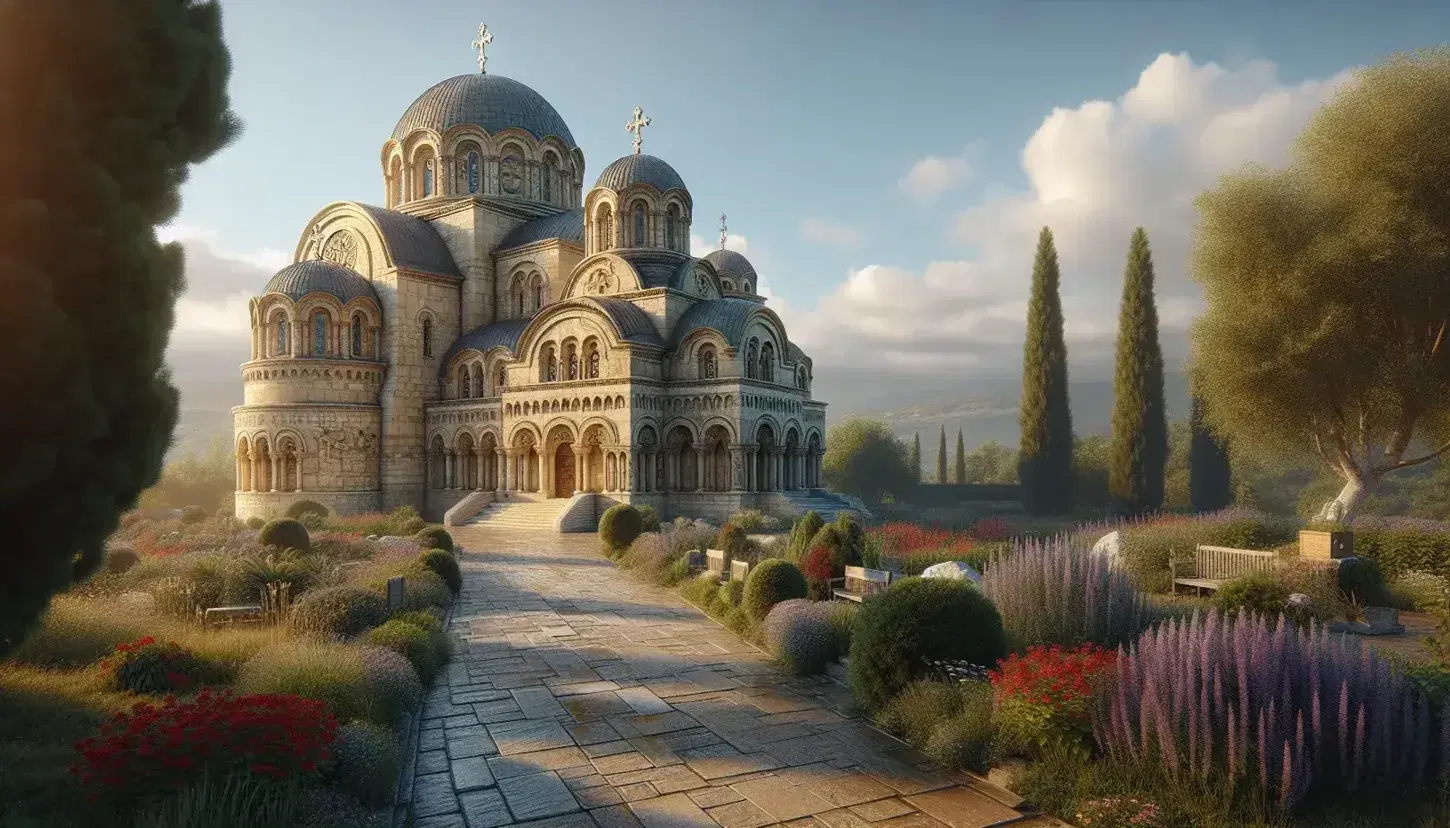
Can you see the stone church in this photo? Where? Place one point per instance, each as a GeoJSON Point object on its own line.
{"type": "Point", "coordinates": [497, 333]}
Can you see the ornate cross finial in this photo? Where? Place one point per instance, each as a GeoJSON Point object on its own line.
{"type": "Point", "coordinates": [722, 231]}
{"type": "Point", "coordinates": [637, 125]}
{"type": "Point", "coordinates": [480, 43]}
{"type": "Point", "coordinates": [315, 239]}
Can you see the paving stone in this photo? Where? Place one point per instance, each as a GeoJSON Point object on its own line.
{"type": "Point", "coordinates": [743, 814]}
{"type": "Point", "coordinates": [578, 820]}
{"type": "Point", "coordinates": [842, 818]}
{"type": "Point", "coordinates": [881, 809]}
{"type": "Point", "coordinates": [598, 796]}
{"type": "Point", "coordinates": [962, 807]}
{"type": "Point", "coordinates": [523, 764]}
{"type": "Point", "coordinates": [718, 761]}
{"type": "Point", "coordinates": [430, 740]}
{"type": "Point", "coordinates": [537, 796]}
{"type": "Point", "coordinates": [592, 733]}
{"type": "Point", "coordinates": [484, 809]}
{"type": "Point", "coordinates": [471, 746]}
{"type": "Point", "coordinates": [712, 797]}
{"type": "Point", "coordinates": [583, 688]}
{"type": "Point", "coordinates": [615, 816]}
{"type": "Point", "coordinates": [433, 794]}
{"type": "Point", "coordinates": [622, 763]}
{"type": "Point", "coordinates": [901, 777]}
{"type": "Point", "coordinates": [674, 811]}
{"type": "Point", "coordinates": [637, 791]}
{"type": "Point", "coordinates": [578, 772]}
{"type": "Point", "coordinates": [653, 724]}
{"type": "Point", "coordinates": [665, 780]}
{"type": "Point", "coordinates": [916, 820]}
{"type": "Point", "coordinates": [433, 761]}
{"type": "Point", "coordinates": [471, 773]}
{"type": "Point", "coordinates": [838, 787]}
{"type": "Point", "coordinates": [642, 701]}
{"type": "Point", "coordinates": [607, 749]}
{"type": "Point", "coordinates": [537, 703]}
{"type": "Point", "coordinates": [529, 736]}
{"type": "Point", "coordinates": [781, 799]}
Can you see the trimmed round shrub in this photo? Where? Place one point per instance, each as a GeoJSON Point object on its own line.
{"type": "Point", "coordinates": [732, 592]}
{"type": "Point", "coordinates": [120, 559]}
{"type": "Point", "coordinates": [770, 582]}
{"type": "Point", "coordinates": [798, 633]}
{"type": "Point", "coordinates": [619, 526]}
{"type": "Point", "coordinates": [392, 682]}
{"type": "Point", "coordinates": [801, 533]}
{"type": "Point", "coordinates": [442, 562]}
{"type": "Point", "coordinates": [899, 632]}
{"type": "Point", "coordinates": [435, 537]}
{"type": "Point", "coordinates": [153, 667]}
{"type": "Point", "coordinates": [307, 507]}
{"type": "Point", "coordinates": [701, 589]}
{"type": "Point", "coordinates": [422, 587]}
{"type": "Point", "coordinates": [411, 642]}
{"type": "Point", "coordinates": [286, 533]}
{"type": "Point", "coordinates": [331, 673]}
{"type": "Point", "coordinates": [193, 514]}
{"type": "Point", "coordinates": [842, 618]}
{"type": "Point", "coordinates": [1257, 592]}
{"type": "Point", "coordinates": [853, 538]}
{"type": "Point", "coordinates": [255, 522]}
{"type": "Point", "coordinates": [648, 517]}
{"type": "Point", "coordinates": [366, 761]}
{"type": "Point", "coordinates": [341, 611]}
{"type": "Point", "coordinates": [420, 618]}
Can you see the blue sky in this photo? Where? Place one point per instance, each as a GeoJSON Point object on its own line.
{"type": "Point", "coordinates": [789, 112]}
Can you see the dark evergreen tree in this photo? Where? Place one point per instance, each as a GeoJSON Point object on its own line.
{"type": "Point", "coordinates": [914, 458]}
{"type": "Point", "coordinates": [941, 457]}
{"type": "Point", "coordinates": [1210, 481]}
{"type": "Point", "coordinates": [1138, 452]}
{"type": "Point", "coordinates": [107, 104]}
{"type": "Point", "coordinates": [959, 474]}
{"type": "Point", "coordinates": [1044, 465]}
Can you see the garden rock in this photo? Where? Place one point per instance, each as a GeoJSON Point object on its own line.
{"type": "Point", "coordinates": [1299, 602]}
{"type": "Point", "coordinates": [1110, 545]}
{"type": "Point", "coordinates": [955, 570]}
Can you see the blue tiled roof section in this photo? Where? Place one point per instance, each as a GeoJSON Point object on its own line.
{"type": "Point", "coordinates": [412, 242]}
{"type": "Point", "coordinates": [728, 261]}
{"type": "Point", "coordinates": [297, 280]}
{"type": "Point", "coordinates": [568, 226]}
{"type": "Point", "coordinates": [633, 324]}
{"type": "Point", "coordinates": [484, 337]}
{"type": "Point", "coordinates": [492, 102]}
{"type": "Point", "coordinates": [729, 316]}
{"type": "Point", "coordinates": [640, 169]}
{"type": "Point", "coordinates": [796, 354]}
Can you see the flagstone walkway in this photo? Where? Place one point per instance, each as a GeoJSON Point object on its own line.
{"type": "Point", "coordinates": [583, 698]}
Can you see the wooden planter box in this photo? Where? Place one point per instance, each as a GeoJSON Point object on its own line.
{"type": "Point", "coordinates": [1326, 545]}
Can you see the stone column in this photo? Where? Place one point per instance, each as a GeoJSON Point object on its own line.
{"type": "Point", "coordinates": [737, 469]}
{"type": "Point", "coordinates": [298, 459]}
{"type": "Point", "coordinates": [580, 459]}
{"type": "Point", "coordinates": [448, 477]}
{"type": "Point", "coordinates": [542, 485]}
{"type": "Point", "coordinates": [700, 471]}
{"type": "Point", "coordinates": [295, 346]}
{"type": "Point", "coordinates": [500, 470]}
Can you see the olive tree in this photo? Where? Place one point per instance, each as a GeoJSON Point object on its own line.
{"type": "Point", "coordinates": [1328, 299]}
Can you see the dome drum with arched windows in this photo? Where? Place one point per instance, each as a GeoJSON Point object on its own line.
{"type": "Point", "coordinates": [737, 274]}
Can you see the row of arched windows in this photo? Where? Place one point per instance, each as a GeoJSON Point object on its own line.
{"type": "Point", "coordinates": [430, 175]}
{"type": "Point", "coordinates": [673, 235]}
{"type": "Point", "coordinates": [323, 339]}
{"type": "Point", "coordinates": [526, 294]}
{"type": "Point", "coordinates": [571, 364]}
{"type": "Point", "coordinates": [470, 382]}
{"type": "Point", "coordinates": [760, 360]}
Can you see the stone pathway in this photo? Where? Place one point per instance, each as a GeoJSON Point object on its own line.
{"type": "Point", "coordinates": [583, 698]}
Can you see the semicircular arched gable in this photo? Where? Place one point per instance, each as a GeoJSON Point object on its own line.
{"type": "Point", "coordinates": [551, 317]}
{"type": "Point", "coordinates": [602, 274]}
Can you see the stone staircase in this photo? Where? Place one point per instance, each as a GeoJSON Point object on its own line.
{"type": "Point", "coordinates": [525, 513]}
{"type": "Point", "coordinates": [824, 503]}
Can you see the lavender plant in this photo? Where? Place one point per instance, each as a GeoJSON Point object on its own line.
{"type": "Point", "coordinates": [1058, 592]}
{"type": "Point", "coordinates": [1281, 711]}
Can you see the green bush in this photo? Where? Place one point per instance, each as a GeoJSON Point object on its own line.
{"type": "Point", "coordinates": [156, 668]}
{"type": "Point", "coordinates": [733, 541]}
{"type": "Point", "coordinates": [732, 592]}
{"type": "Point", "coordinates": [770, 582]}
{"type": "Point", "coordinates": [916, 621]}
{"type": "Point", "coordinates": [801, 532]}
{"type": "Point", "coordinates": [255, 571]}
{"type": "Point", "coordinates": [1360, 579]}
{"type": "Point", "coordinates": [75, 632]}
{"type": "Point", "coordinates": [410, 641]}
{"type": "Point", "coordinates": [842, 619]}
{"type": "Point", "coordinates": [429, 622]}
{"type": "Point", "coordinates": [702, 589]}
{"type": "Point", "coordinates": [366, 762]}
{"type": "Point", "coordinates": [286, 533]}
{"type": "Point", "coordinates": [394, 685]}
{"type": "Point", "coordinates": [1147, 549]}
{"type": "Point", "coordinates": [619, 526]}
{"type": "Point", "coordinates": [754, 520]}
{"type": "Point", "coordinates": [331, 673]}
{"type": "Point", "coordinates": [193, 514]}
{"type": "Point", "coordinates": [307, 507]}
{"type": "Point", "coordinates": [966, 740]}
{"type": "Point", "coordinates": [853, 538]}
{"type": "Point", "coordinates": [649, 518]}
{"type": "Point", "coordinates": [446, 566]}
{"type": "Point", "coordinates": [799, 634]}
{"type": "Point", "coordinates": [341, 611]}
{"type": "Point", "coordinates": [422, 587]}
{"type": "Point", "coordinates": [435, 537]}
{"type": "Point", "coordinates": [120, 559]}
{"type": "Point", "coordinates": [1260, 593]}
{"type": "Point", "coordinates": [1423, 591]}
{"type": "Point", "coordinates": [255, 522]}
{"type": "Point", "coordinates": [1402, 549]}
{"type": "Point", "coordinates": [406, 521]}
{"type": "Point", "coordinates": [914, 713]}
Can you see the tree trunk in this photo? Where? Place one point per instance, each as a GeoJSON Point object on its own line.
{"type": "Point", "coordinates": [1342, 509]}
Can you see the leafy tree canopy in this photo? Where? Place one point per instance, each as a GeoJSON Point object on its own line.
{"type": "Point", "coordinates": [863, 458]}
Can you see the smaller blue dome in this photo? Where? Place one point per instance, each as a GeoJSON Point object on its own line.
{"type": "Point", "coordinates": [316, 276]}
{"type": "Point", "coordinates": [641, 169]}
{"type": "Point", "coordinates": [730, 262]}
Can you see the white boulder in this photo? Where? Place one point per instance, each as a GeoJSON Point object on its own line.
{"type": "Point", "coordinates": [955, 570]}
{"type": "Point", "coordinates": [1111, 546]}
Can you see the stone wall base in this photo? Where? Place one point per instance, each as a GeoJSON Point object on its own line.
{"type": "Point", "coordinates": [268, 505]}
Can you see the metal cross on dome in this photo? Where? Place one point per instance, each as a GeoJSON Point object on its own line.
{"type": "Point", "coordinates": [480, 43]}
{"type": "Point", "coordinates": [637, 125]}
{"type": "Point", "coordinates": [722, 231]}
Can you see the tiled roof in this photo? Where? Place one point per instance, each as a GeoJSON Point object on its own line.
{"type": "Point", "coordinates": [492, 102]}
{"type": "Point", "coordinates": [729, 316]}
{"type": "Point", "coordinates": [640, 169]}
{"type": "Point", "coordinates": [657, 268]}
{"type": "Point", "coordinates": [484, 337]}
{"type": "Point", "coordinates": [568, 226]}
{"type": "Point", "coordinates": [728, 261]}
{"type": "Point", "coordinates": [412, 242]}
{"type": "Point", "coordinates": [633, 324]}
{"type": "Point", "coordinates": [316, 276]}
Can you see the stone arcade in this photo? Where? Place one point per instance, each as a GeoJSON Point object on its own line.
{"type": "Point", "coordinates": [496, 328]}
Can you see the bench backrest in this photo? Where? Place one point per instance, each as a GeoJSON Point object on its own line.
{"type": "Point", "coordinates": [863, 581]}
{"type": "Point", "coordinates": [1220, 563]}
{"type": "Point", "coordinates": [738, 570]}
{"type": "Point", "coordinates": [715, 561]}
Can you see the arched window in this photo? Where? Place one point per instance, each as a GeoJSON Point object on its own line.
{"type": "Point", "coordinates": [639, 224]}
{"type": "Point", "coordinates": [519, 299]}
{"type": "Point", "coordinates": [473, 178]}
{"type": "Point", "coordinates": [357, 335]}
{"type": "Point", "coordinates": [428, 178]}
{"type": "Point", "coordinates": [463, 389]}
{"type": "Point", "coordinates": [319, 334]}
{"type": "Point", "coordinates": [548, 178]}
{"type": "Point", "coordinates": [593, 361]}
{"type": "Point", "coordinates": [500, 382]}
{"type": "Point", "coordinates": [281, 335]}
{"type": "Point", "coordinates": [750, 360]}
{"type": "Point", "coordinates": [397, 181]}
{"type": "Point", "coordinates": [427, 338]}
{"type": "Point", "coordinates": [707, 363]}
{"type": "Point", "coordinates": [727, 284]}
{"type": "Point", "coordinates": [745, 286]}
{"type": "Point", "coordinates": [573, 363]}
{"type": "Point", "coordinates": [767, 362]}
{"type": "Point", "coordinates": [671, 225]}
{"type": "Point", "coordinates": [604, 227]}
{"type": "Point", "coordinates": [538, 292]}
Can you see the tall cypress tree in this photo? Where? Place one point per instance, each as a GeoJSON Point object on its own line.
{"type": "Point", "coordinates": [914, 458]}
{"type": "Point", "coordinates": [941, 457]}
{"type": "Point", "coordinates": [1138, 452]}
{"type": "Point", "coordinates": [1210, 481]}
{"type": "Point", "coordinates": [124, 97]}
{"type": "Point", "coordinates": [959, 474]}
{"type": "Point", "coordinates": [1044, 464]}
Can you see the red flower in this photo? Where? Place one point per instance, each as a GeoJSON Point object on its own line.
{"type": "Point", "coordinates": [1053, 676]}
{"type": "Point", "coordinates": [817, 565]}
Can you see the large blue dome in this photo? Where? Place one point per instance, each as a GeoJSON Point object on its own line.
{"type": "Point", "coordinates": [316, 276]}
{"type": "Point", "coordinates": [492, 102]}
{"type": "Point", "coordinates": [641, 169]}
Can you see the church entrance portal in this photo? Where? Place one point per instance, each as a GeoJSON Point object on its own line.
{"type": "Point", "coordinates": [564, 470]}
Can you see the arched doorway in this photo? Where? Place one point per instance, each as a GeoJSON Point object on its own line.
{"type": "Point", "coordinates": [594, 479]}
{"type": "Point", "coordinates": [564, 470]}
{"type": "Point", "coordinates": [765, 459]}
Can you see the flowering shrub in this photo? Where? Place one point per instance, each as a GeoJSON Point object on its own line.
{"type": "Point", "coordinates": [799, 634]}
{"type": "Point", "coordinates": [917, 547]}
{"type": "Point", "coordinates": [1425, 591]}
{"type": "Point", "coordinates": [990, 529]}
{"type": "Point", "coordinates": [149, 666]}
{"type": "Point", "coordinates": [819, 568]}
{"type": "Point", "coordinates": [154, 749]}
{"type": "Point", "coordinates": [1058, 592]}
{"type": "Point", "coordinates": [1119, 812]}
{"type": "Point", "coordinates": [1044, 697]}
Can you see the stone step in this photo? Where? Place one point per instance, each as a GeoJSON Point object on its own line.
{"type": "Point", "coordinates": [521, 515]}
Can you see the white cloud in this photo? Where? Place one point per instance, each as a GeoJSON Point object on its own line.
{"type": "Point", "coordinates": [699, 247]}
{"type": "Point", "coordinates": [1095, 172]}
{"type": "Point", "coordinates": [933, 175]}
{"type": "Point", "coordinates": [219, 285]}
{"type": "Point", "coordinates": [820, 231]}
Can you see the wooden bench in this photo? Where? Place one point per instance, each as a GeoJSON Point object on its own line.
{"type": "Point", "coordinates": [715, 561]}
{"type": "Point", "coordinates": [1212, 565]}
{"type": "Point", "coordinates": [738, 570]}
{"type": "Point", "coordinates": [861, 583]}
{"type": "Point", "coordinates": [245, 614]}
